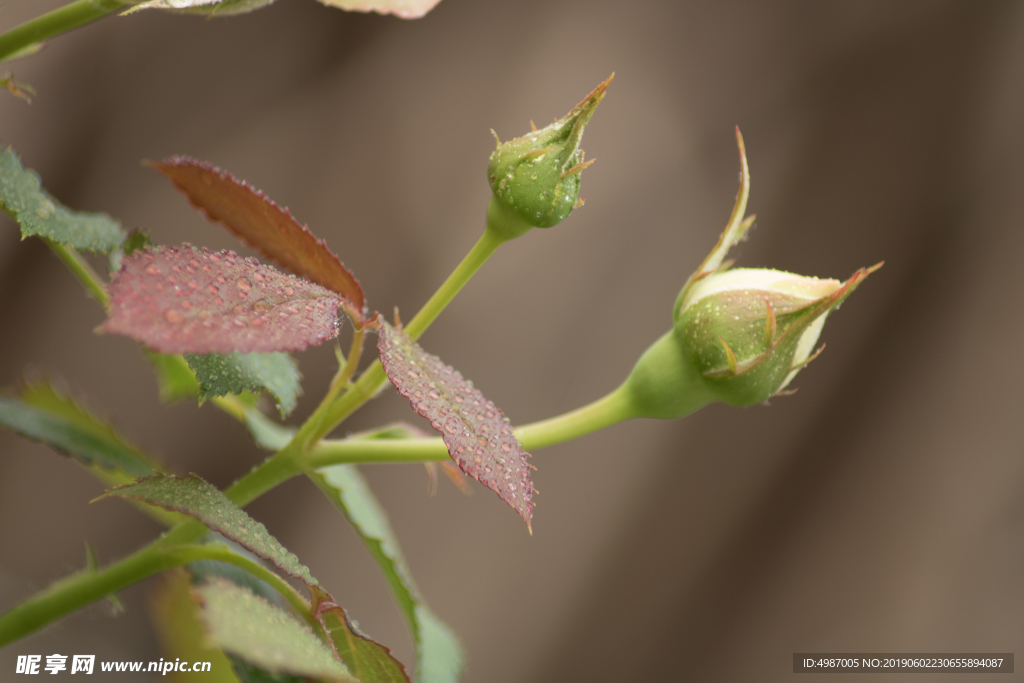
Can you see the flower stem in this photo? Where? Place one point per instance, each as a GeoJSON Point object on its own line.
{"type": "Point", "coordinates": [53, 23]}
{"type": "Point", "coordinates": [481, 251]}
{"type": "Point", "coordinates": [604, 412]}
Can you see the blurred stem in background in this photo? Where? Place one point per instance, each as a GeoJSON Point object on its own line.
{"type": "Point", "coordinates": [27, 38]}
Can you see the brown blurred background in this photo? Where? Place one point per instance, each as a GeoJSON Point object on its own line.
{"type": "Point", "coordinates": [880, 509]}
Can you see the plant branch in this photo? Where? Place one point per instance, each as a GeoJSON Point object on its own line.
{"type": "Point", "coordinates": [54, 23]}
{"type": "Point", "coordinates": [86, 587]}
{"type": "Point", "coordinates": [604, 412]}
{"type": "Point", "coordinates": [366, 387]}
{"type": "Point", "coordinates": [81, 591]}
{"type": "Point", "coordinates": [80, 269]}
{"type": "Point", "coordinates": [477, 256]}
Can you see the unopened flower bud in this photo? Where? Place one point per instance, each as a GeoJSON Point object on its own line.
{"type": "Point", "coordinates": [739, 336]}
{"type": "Point", "coordinates": [748, 332]}
{"type": "Point", "coordinates": [536, 178]}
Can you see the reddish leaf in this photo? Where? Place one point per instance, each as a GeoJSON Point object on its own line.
{"type": "Point", "coordinates": [188, 300]}
{"type": "Point", "coordinates": [478, 435]}
{"type": "Point", "coordinates": [263, 225]}
{"type": "Point", "coordinates": [366, 659]}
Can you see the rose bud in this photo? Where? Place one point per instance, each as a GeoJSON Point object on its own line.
{"type": "Point", "coordinates": [536, 178]}
{"type": "Point", "coordinates": [739, 336]}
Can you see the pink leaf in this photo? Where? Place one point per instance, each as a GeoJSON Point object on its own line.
{"type": "Point", "coordinates": [478, 435]}
{"type": "Point", "coordinates": [406, 9]}
{"type": "Point", "coordinates": [263, 225]}
{"type": "Point", "coordinates": [188, 300]}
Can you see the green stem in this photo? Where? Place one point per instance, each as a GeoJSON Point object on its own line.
{"type": "Point", "coordinates": [606, 411]}
{"type": "Point", "coordinates": [231, 405]}
{"type": "Point", "coordinates": [53, 23]}
{"type": "Point", "coordinates": [476, 257]}
{"type": "Point", "coordinates": [80, 269]}
{"type": "Point", "coordinates": [280, 467]}
{"type": "Point", "coordinates": [84, 588]}
{"type": "Point", "coordinates": [371, 380]}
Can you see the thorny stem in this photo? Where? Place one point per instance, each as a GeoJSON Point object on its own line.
{"type": "Point", "coordinates": [53, 23]}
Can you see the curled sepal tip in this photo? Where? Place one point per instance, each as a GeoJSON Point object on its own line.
{"type": "Point", "coordinates": [735, 229]}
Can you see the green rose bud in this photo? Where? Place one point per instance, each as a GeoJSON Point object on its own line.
{"type": "Point", "coordinates": [748, 332]}
{"type": "Point", "coordinates": [536, 178]}
{"type": "Point", "coordinates": [739, 336]}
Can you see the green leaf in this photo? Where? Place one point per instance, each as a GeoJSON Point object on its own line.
{"type": "Point", "coordinates": [439, 654]}
{"type": "Point", "coordinates": [478, 435]}
{"type": "Point", "coordinates": [175, 618]}
{"type": "Point", "coordinates": [46, 415]}
{"type": "Point", "coordinates": [233, 373]}
{"type": "Point", "coordinates": [201, 572]}
{"type": "Point", "coordinates": [247, 673]}
{"type": "Point", "coordinates": [368, 660]}
{"type": "Point", "coordinates": [248, 626]}
{"type": "Point", "coordinates": [40, 214]}
{"type": "Point", "coordinates": [137, 240]}
{"type": "Point", "coordinates": [195, 497]}
{"type": "Point", "coordinates": [174, 377]}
